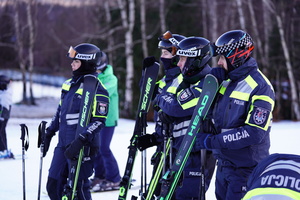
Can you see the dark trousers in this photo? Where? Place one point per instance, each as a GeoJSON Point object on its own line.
{"type": "Point", "coordinates": [58, 174]}
{"type": "Point", "coordinates": [106, 166]}
{"type": "Point", "coordinates": [3, 140]}
{"type": "Point", "coordinates": [189, 186]}
{"type": "Point", "coordinates": [231, 182]}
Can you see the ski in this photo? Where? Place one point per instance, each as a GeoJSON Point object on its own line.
{"type": "Point", "coordinates": [90, 85]}
{"type": "Point", "coordinates": [171, 177]}
{"type": "Point", "coordinates": [158, 172]}
{"type": "Point", "coordinates": [147, 88]}
{"type": "Point", "coordinates": [159, 167]}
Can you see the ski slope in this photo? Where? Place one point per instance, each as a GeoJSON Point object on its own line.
{"type": "Point", "coordinates": [285, 138]}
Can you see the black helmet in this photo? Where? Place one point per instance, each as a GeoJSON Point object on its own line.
{"type": "Point", "coordinates": [170, 42]}
{"type": "Point", "coordinates": [103, 62]}
{"type": "Point", "coordinates": [236, 46]}
{"type": "Point", "coordinates": [199, 52]}
{"type": "Point", "coordinates": [86, 52]}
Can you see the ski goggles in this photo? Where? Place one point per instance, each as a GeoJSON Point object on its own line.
{"type": "Point", "coordinates": [73, 54]}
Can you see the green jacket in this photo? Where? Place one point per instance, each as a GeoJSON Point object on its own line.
{"type": "Point", "coordinates": [110, 82]}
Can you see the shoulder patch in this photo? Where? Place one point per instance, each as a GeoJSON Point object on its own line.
{"type": "Point", "coordinates": [184, 94]}
{"type": "Point", "coordinates": [102, 108]}
{"type": "Point", "coordinates": [260, 115]}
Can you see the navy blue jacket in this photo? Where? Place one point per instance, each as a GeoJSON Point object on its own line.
{"type": "Point", "coordinates": [66, 118]}
{"type": "Point", "coordinates": [181, 103]}
{"type": "Point", "coordinates": [243, 117]}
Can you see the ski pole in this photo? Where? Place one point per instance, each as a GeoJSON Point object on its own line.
{"type": "Point", "coordinates": [25, 145]}
{"type": "Point", "coordinates": [143, 159]}
{"type": "Point", "coordinates": [202, 183]}
{"type": "Point", "coordinates": [41, 137]}
{"type": "Point", "coordinates": [170, 135]}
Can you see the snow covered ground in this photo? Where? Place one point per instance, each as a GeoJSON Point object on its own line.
{"type": "Point", "coordinates": [285, 139]}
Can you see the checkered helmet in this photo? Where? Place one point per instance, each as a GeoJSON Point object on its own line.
{"type": "Point", "coordinates": [236, 46]}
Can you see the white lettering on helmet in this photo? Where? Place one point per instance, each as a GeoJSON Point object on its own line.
{"type": "Point", "coordinates": [173, 41]}
{"type": "Point", "coordinates": [85, 56]}
{"type": "Point", "coordinates": [188, 53]}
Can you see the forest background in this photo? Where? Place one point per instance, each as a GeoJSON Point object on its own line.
{"type": "Point", "coordinates": [35, 36]}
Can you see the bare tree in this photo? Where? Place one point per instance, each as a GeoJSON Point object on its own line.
{"type": "Point", "coordinates": [241, 14]}
{"type": "Point", "coordinates": [20, 47]}
{"type": "Point", "coordinates": [31, 32]}
{"type": "Point", "coordinates": [257, 35]}
{"type": "Point", "coordinates": [111, 41]}
{"type": "Point", "coordinates": [128, 21]}
{"type": "Point", "coordinates": [162, 16]}
{"type": "Point", "coordinates": [295, 100]}
{"type": "Point", "coordinates": [212, 28]}
{"type": "Point", "coordinates": [143, 28]}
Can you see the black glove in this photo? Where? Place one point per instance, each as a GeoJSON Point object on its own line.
{"type": "Point", "coordinates": [146, 141]}
{"type": "Point", "coordinates": [47, 140]}
{"type": "Point", "coordinates": [73, 149]}
{"type": "Point", "coordinates": [165, 118]}
{"type": "Point", "coordinates": [219, 73]}
{"type": "Point", "coordinates": [149, 61]}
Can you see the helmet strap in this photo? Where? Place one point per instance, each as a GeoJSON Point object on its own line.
{"type": "Point", "coordinates": [230, 67]}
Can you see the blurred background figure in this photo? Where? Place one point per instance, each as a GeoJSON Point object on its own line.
{"type": "Point", "coordinates": [5, 108]}
{"type": "Point", "coordinates": [107, 174]}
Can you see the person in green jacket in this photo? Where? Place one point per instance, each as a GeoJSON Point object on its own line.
{"type": "Point", "coordinates": [107, 174]}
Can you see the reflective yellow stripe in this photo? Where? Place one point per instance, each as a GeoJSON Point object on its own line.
{"type": "Point", "coordinates": [251, 82]}
{"type": "Point", "coordinates": [79, 91]}
{"type": "Point", "coordinates": [66, 85]}
{"type": "Point", "coordinates": [240, 95]}
{"type": "Point", "coordinates": [172, 90]}
{"type": "Point", "coordinates": [224, 86]}
{"type": "Point", "coordinates": [266, 79]}
{"type": "Point", "coordinates": [222, 89]}
{"type": "Point", "coordinates": [264, 98]}
{"type": "Point", "coordinates": [244, 88]}
{"type": "Point", "coordinates": [161, 83]}
{"type": "Point", "coordinates": [199, 89]}
{"type": "Point", "coordinates": [175, 83]}
{"type": "Point", "coordinates": [265, 191]}
{"type": "Point", "coordinates": [190, 104]}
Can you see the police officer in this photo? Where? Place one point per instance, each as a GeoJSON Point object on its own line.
{"type": "Point", "coordinates": [107, 174]}
{"type": "Point", "coordinates": [275, 178]}
{"type": "Point", "coordinates": [85, 57]}
{"type": "Point", "coordinates": [168, 83]}
{"type": "Point", "coordinates": [5, 108]}
{"type": "Point", "coordinates": [178, 108]}
{"type": "Point", "coordinates": [242, 115]}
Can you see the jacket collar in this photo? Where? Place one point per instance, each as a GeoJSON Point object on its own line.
{"type": "Point", "coordinates": [243, 71]}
